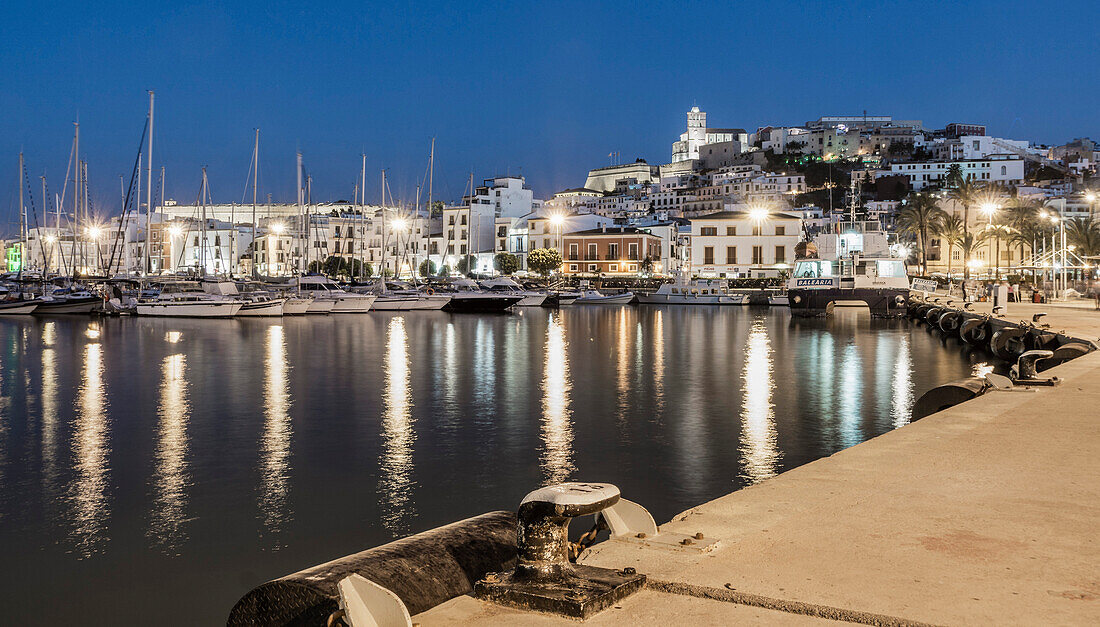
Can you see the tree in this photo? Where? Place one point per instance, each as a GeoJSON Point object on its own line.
{"type": "Point", "coordinates": [1023, 216]}
{"type": "Point", "coordinates": [544, 260]}
{"type": "Point", "coordinates": [427, 268]}
{"type": "Point", "coordinates": [506, 263]}
{"type": "Point", "coordinates": [334, 266]}
{"type": "Point", "coordinates": [969, 242]}
{"type": "Point", "coordinates": [950, 230]}
{"type": "Point", "coordinates": [647, 264]}
{"type": "Point", "coordinates": [465, 265]}
{"type": "Point", "coordinates": [918, 218]}
{"type": "Point", "coordinates": [1084, 235]}
{"type": "Point", "coordinates": [964, 192]}
{"type": "Point", "coordinates": [445, 271]}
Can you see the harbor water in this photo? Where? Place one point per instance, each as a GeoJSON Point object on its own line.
{"type": "Point", "coordinates": [154, 470]}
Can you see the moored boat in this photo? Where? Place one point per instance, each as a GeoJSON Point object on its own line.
{"type": "Point", "coordinates": [695, 292]}
{"type": "Point", "coordinates": [593, 297]}
{"type": "Point", "coordinates": [18, 307]}
{"type": "Point", "coordinates": [186, 299]}
{"type": "Point", "coordinates": [323, 289]}
{"type": "Point", "coordinates": [505, 285]}
{"type": "Point", "coordinates": [818, 286]}
{"type": "Point", "coordinates": [468, 297]}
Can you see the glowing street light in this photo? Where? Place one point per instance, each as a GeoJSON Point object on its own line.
{"type": "Point", "coordinates": [758, 212]}
{"type": "Point", "coordinates": [278, 228]}
{"type": "Point", "coordinates": [989, 208]}
{"type": "Point", "coordinates": [175, 230]}
{"type": "Point", "coordinates": [557, 219]}
{"type": "Point", "coordinates": [399, 224]}
{"type": "Point", "coordinates": [49, 239]}
{"type": "Point", "coordinates": [95, 232]}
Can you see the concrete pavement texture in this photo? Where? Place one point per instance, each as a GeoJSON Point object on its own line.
{"type": "Point", "coordinates": [985, 513]}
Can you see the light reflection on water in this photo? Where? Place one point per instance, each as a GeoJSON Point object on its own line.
{"type": "Point", "coordinates": [759, 451]}
{"type": "Point", "coordinates": [170, 474]}
{"type": "Point", "coordinates": [275, 444]}
{"type": "Point", "coordinates": [557, 426]}
{"type": "Point", "coordinates": [397, 434]}
{"type": "Point", "coordinates": [90, 508]}
{"type": "Point", "coordinates": [400, 423]}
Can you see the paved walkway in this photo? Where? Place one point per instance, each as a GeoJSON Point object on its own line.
{"type": "Point", "coordinates": [986, 513]}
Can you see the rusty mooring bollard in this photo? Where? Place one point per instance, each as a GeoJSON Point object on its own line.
{"type": "Point", "coordinates": [544, 579]}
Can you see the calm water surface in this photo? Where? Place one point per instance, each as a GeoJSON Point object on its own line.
{"type": "Point", "coordinates": [153, 471]}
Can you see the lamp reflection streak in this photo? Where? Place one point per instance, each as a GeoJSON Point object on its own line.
{"type": "Point", "coordinates": [275, 444]}
{"type": "Point", "coordinates": [851, 397]}
{"type": "Point", "coordinates": [902, 392]}
{"type": "Point", "coordinates": [759, 449]}
{"type": "Point", "coordinates": [89, 492]}
{"type": "Point", "coordinates": [49, 412]}
{"type": "Point", "coordinates": [396, 464]}
{"type": "Point", "coordinates": [557, 426]}
{"type": "Point", "coordinates": [659, 362]}
{"type": "Point", "coordinates": [170, 476]}
{"type": "Point", "coordinates": [622, 372]}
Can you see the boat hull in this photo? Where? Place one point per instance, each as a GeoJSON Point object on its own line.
{"type": "Point", "coordinates": [205, 309]}
{"type": "Point", "coordinates": [532, 300]}
{"type": "Point", "coordinates": [352, 303]}
{"type": "Point", "coordinates": [18, 308]}
{"type": "Point", "coordinates": [462, 303]}
{"type": "Point", "coordinates": [410, 303]}
{"type": "Point", "coordinates": [69, 306]}
{"type": "Point", "coordinates": [320, 306]}
{"type": "Point", "coordinates": [265, 309]}
{"type": "Point", "coordinates": [779, 301]}
{"type": "Point", "coordinates": [679, 299]}
{"type": "Point", "coordinates": [296, 306]}
{"type": "Point", "coordinates": [605, 300]}
{"type": "Point", "coordinates": [882, 302]}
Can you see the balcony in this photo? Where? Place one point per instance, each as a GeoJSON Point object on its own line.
{"type": "Point", "coordinates": [574, 257]}
{"type": "Point", "coordinates": [591, 257]}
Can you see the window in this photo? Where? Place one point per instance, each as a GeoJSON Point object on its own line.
{"type": "Point", "coordinates": [451, 222]}
{"type": "Point", "coordinates": [350, 246]}
{"type": "Point", "coordinates": [613, 267]}
{"type": "Point", "coordinates": [731, 255]}
{"type": "Point", "coordinates": [780, 230]}
{"type": "Point", "coordinates": [574, 251]}
{"type": "Point", "coordinates": [592, 267]}
{"type": "Point", "coordinates": [706, 231]}
{"type": "Point", "coordinates": [336, 247]}
{"type": "Point", "coordinates": [708, 255]}
{"type": "Point", "coordinates": [463, 218]}
{"type": "Point", "coordinates": [196, 240]}
{"type": "Point", "coordinates": [502, 231]}
{"type": "Point", "coordinates": [217, 240]}
{"type": "Point", "coordinates": [781, 254]}
{"type": "Point", "coordinates": [462, 249]}
{"type": "Point", "coordinates": [1004, 170]}
{"type": "Point", "coordinates": [632, 251]}
{"type": "Point", "coordinates": [632, 267]}
{"type": "Point", "coordinates": [572, 267]}
{"type": "Point", "coordinates": [757, 255]}
{"type": "Point", "coordinates": [463, 234]}
{"type": "Point", "coordinates": [612, 251]}
{"type": "Point", "coordinates": [756, 230]}
{"type": "Point", "coordinates": [731, 230]}
{"type": "Point", "coordinates": [337, 231]}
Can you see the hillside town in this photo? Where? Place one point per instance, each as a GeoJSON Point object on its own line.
{"type": "Point", "coordinates": [729, 203]}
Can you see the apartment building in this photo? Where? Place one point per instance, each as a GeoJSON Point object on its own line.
{"type": "Point", "coordinates": [739, 244]}
{"type": "Point", "coordinates": [610, 250]}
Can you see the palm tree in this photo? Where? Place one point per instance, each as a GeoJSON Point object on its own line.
{"type": "Point", "coordinates": [1023, 216]}
{"type": "Point", "coordinates": [999, 231]}
{"type": "Point", "coordinates": [1084, 234]}
{"type": "Point", "coordinates": [950, 229]}
{"type": "Point", "coordinates": [969, 242]}
{"type": "Point", "coordinates": [965, 193]}
{"type": "Point", "coordinates": [920, 216]}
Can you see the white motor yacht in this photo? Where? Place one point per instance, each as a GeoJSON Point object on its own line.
{"type": "Point", "coordinates": [505, 285]}
{"type": "Point", "coordinates": [324, 290]}
{"type": "Point", "coordinates": [592, 297]}
{"type": "Point", "coordinates": [296, 305]}
{"type": "Point", "coordinates": [396, 296]}
{"type": "Point", "coordinates": [187, 299]}
{"type": "Point", "coordinates": [695, 292]}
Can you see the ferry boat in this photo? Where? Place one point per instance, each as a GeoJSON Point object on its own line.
{"type": "Point", "coordinates": [817, 286]}
{"type": "Point", "coordinates": [695, 292]}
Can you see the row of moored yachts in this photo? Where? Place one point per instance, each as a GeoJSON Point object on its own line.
{"type": "Point", "coordinates": [312, 294]}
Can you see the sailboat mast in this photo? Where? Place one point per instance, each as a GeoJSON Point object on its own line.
{"type": "Point", "coordinates": [364, 242]}
{"type": "Point", "coordinates": [301, 219]}
{"type": "Point", "coordinates": [22, 223]}
{"type": "Point", "coordinates": [202, 244]}
{"type": "Point", "coordinates": [148, 265]}
{"type": "Point", "coordinates": [255, 178]}
{"type": "Point", "coordinates": [383, 261]}
{"type": "Point", "coordinates": [77, 240]}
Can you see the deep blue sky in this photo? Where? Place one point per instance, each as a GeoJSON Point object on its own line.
{"type": "Point", "coordinates": [546, 89]}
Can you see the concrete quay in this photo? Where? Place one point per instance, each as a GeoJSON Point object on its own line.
{"type": "Point", "coordinates": [985, 513]}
